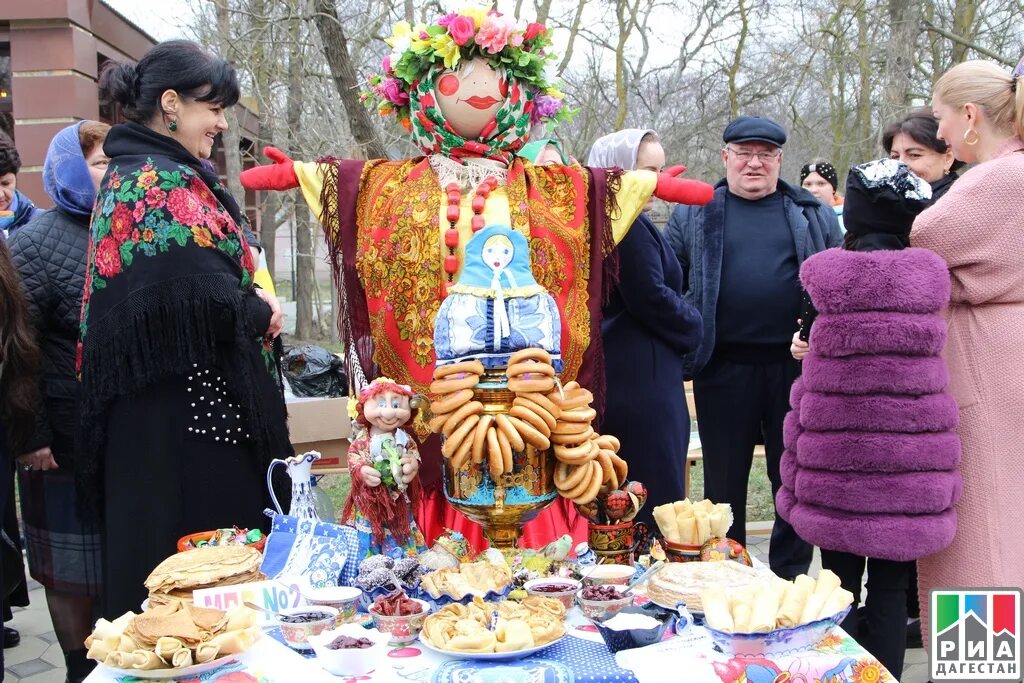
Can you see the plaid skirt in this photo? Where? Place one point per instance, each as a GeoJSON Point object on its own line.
{"type": "Point", "coordinates": [63, 545]}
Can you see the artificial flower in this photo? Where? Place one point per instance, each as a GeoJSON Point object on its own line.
{"type": "Point", "coordinates": [447, 49]}
{"type": "Point", "coordinates": [533, 30]}
{"type": "Point", "coordinates": [493, 36]}
{"type": "Point", "coordinates": [419, 39]}
{"type": "Point", "coordinates": [393, 91]}
{"type": "Point", "coordinates": [475, 12]}
{"type": "Point", "coordinates": [399, 32]}
{"type": "Point", "coordinates": [461, 29]}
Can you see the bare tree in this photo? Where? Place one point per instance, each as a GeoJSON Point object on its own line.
{"type": "Point", "coordinates": [335, 48]}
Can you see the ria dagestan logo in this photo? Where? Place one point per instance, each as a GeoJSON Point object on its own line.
{"type": "Point", "coordinates": [976, 635]}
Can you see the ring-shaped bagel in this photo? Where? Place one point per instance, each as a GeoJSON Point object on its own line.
{"type": "Point", "coordinates": [471, 366]}
{"type": "Point", "coordinates": [453, 383]}
{"type": "Point", "coordinates": [451, 402]}
{"type": "Point", "coordinates": [456, 418]}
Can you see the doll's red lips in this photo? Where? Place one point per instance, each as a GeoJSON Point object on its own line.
{"type": "Point", "coordinates": [480, 102]}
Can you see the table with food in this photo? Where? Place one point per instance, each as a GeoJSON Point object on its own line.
{"type": "Point", "coordinates": [449, 614]}
{"type": "Point", "coordinates": [363, 598]}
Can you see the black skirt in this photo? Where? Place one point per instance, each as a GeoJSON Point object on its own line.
{"type": "Point", "coordinates": [164, 479]}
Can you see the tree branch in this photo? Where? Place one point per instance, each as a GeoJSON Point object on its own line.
{"type": "Point", "coordinates": [966, 43]}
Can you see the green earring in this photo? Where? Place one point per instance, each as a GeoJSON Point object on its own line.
{"type": "Point", "coordinates": [172, 126]}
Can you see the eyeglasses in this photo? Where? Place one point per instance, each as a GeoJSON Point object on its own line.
{"type": "Point", "coordinates": [764, 157]}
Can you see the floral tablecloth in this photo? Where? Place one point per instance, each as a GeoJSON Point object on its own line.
{"type": "Point", "coordinates": [581, 657]}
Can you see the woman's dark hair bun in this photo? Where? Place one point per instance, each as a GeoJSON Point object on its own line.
{"type": "Point", "coordinates": [179, 65]}
{"type": "Point", "coordinates": [118, 83]}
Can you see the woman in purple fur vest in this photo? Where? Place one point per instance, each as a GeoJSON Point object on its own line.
{"type": "Point", "coordinates": [870, 474]}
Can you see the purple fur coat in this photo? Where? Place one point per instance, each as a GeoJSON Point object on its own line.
{"type": "Point", "coordinates": [871, 465]}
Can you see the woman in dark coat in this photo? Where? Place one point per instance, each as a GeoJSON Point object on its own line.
{"type": "Point", "coordinates": [19, 363]}
{"type": "Point", "coordinates": [15, 211]}
{"type": "Point", "coordinates": [647, 328]}
{"type": "Point", "coordinates": [182, 406]}
{"type": "Point", "coordinates": [49, 253]}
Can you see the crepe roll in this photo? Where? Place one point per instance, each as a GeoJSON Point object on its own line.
{"type": "Point", "coordinates": [167, 646]}
{"type": "Point", "coordinates": [687, 528]}
{"type": "Point", "coordinates": [232, 642]}
{"type": "Point", "coordinates": [705, 506]}
{"type": "Point", "coordinates": [112, 629]}
{"type": "Point", "coordinates": [703, 527]}
{"type": "Point", "coordinates": [806, 582]}
{"type": "Point", "coordinates": [741, 617]}
{"type": "Point", "coordinates": [513, 635]}
{"type": "Point", "coordinates": [793, 603]}
{"type": "Point", "coordinates": [838, 600]}
{"type": "Point", "coordinates": [812, 608]}
{"type": "Point", "coordinates": [182, 658]}
{"type": "Point", "coordinates": [665, 517]}
{"type": "Point", "coordinates": [716, 609]}
{"type": "Point", "coordinates": [766, 607]}
{"type": "Point", "coordinates": [98, 651]}
{"type": "Point", "coordinates": [147, 660]}
{"type": "Point", "coordinates": [240, 618]}
{"type": "Point", "coordinates": [683, 507]}
{"type": "Point", "coordinates": [480, 641]}
{"type": "Point", "coordinates": [207, 652]}
{"type": "Point", "coordinates": [120, 660]}
{"type": "Point", "coordinates": [827, 582]}
{"type": "Point", "coordinates": [128, 644]}
{"type": "Point", "coordinates": [726, 516]}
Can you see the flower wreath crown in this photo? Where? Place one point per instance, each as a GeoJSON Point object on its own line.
{"type": "Point", "coordinates": [518, 47]}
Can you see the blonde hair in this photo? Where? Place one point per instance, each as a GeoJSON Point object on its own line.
{"type": "Point", "coordinates": [499, 239]}
{"type": "Point", "coordinates": [988, 86]}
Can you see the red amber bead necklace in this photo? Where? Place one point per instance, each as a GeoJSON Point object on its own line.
{"type": "Point", "coordinates": [451, 235]}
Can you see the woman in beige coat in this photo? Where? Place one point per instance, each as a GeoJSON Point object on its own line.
{"type": "Point", "coordinates": [978, 228]}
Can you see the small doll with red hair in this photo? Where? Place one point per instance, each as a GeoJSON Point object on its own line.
{"type": "Point", "coordinates": [384, 461]}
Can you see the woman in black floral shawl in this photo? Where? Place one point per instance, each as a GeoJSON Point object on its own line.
{"type": "Point", "coordinates": [182, 407]}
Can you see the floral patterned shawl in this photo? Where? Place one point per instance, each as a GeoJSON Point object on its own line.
{"type": "Point", "coordinates": [168, 269]}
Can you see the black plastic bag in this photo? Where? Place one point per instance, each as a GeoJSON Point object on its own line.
{"type": "Point", "coordinates": [315, 371]}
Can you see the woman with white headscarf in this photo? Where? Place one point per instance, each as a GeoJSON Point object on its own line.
{"type": "Point", "coordinates": [648, 326]}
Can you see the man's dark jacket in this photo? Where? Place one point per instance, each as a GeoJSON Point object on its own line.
{"type": "Point", "coordinates": [697, 236]}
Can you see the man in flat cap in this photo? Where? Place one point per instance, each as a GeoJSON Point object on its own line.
{"type": "Point", "coordinates": [742, 254]}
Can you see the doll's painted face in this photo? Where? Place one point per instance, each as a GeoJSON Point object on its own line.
{"type": "Point", "coordinates": [498, 252]}
{"type": "Point", "coordinates": [470, 97]}
{"type": "Point", "coordinates": [387, 411]}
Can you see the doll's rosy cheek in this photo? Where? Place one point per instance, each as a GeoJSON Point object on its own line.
{"type": "Point", "coordinates": [448, 85]}
{"type": "Point", "coordinates": [503, 87]}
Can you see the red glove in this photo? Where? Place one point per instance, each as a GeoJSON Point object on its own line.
{"type": "Point", "coordinates": [679, 191]}
{"type": "Point", "coordinates": [279, 175]}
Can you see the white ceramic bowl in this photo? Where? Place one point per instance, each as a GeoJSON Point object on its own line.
{"type": "Point", "coordinates": [355, 662]}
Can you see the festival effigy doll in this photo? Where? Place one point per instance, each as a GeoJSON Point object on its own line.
{"type": "Point", "coordinates": [467, 88]}
{"type": "Point", "coordinates": [384, 461]}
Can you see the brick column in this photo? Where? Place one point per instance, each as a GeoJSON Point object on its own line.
{"type": "Point", "coordinates": [53, 84]}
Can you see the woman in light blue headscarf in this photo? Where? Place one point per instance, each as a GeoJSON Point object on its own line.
{"type": "Point", "coordinates": [648, 326]}
{"type": "Point", "coordinates": [49, 254]}
{"type": "Point", "coordinates": [15, 208]}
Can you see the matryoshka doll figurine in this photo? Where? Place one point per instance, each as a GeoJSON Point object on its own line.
{"type": "Point", "coordinates": [496, 307]}
{"type": "Point", "coordinates": [384, 462]}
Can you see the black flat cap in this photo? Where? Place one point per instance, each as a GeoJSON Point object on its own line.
{"type": "Point", "coordinates": [755, 129]}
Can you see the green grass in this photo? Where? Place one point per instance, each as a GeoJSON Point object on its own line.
{"type": "Point", "coordinates": [337, 487]}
